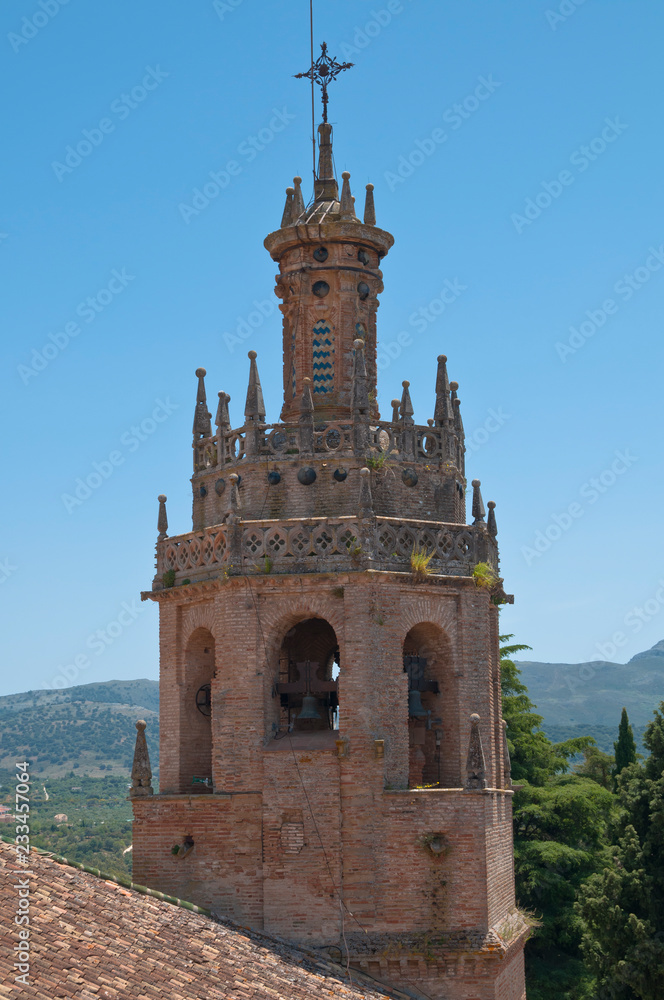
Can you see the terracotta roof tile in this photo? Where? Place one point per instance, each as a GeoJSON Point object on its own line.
{"type": "Point", "coordinates": [92, 939]}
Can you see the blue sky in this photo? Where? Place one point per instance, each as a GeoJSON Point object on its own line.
{"type": "Point", "coordinates": [516, 153]}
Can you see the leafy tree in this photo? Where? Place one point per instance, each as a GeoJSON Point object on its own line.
{"type": "Point", "coordinates": [622, 907]}
{"type": "Point", "coordinates": [560, 823]}
{"type": "Point", "coordinates": [598, 766]}
{"type": "Point", "coordinates": [535, 758]}
{"type": "Point", "coordinates": [625, 747]}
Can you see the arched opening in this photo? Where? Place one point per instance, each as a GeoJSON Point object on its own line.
{"type": "Point", "coordinates": [432, 703]}
{"type": "Point", "coordinates": [196, 714]}
{"type": "Point", "coordinates": [307, 685]}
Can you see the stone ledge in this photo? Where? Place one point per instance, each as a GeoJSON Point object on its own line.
{"type": "Point", "coordinates": [192, 799]}
{"type": "Point", "coordinates": [193, 589]}
{"type": "Point", "coordinates": [448, 791]}
{"type": "Point", "coordinates": [438, 947]}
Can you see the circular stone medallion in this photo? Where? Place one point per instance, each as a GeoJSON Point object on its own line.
{"type": "Point", "coordinates": [307, 475]}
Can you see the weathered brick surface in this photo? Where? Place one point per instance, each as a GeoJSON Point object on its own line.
{"type": "Point", "coordinates": [322, 843]}
{"type": "Point", "coordinates": [301, 886]}
{"type": "Point", "coordinates": [223, 870]}
{"type": "Point", "coordinates": [325, 497]}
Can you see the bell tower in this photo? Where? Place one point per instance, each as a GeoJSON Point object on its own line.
{"type": "Point", "coordinates": [333, 761]}
{"type": "Point", "coordinates": [329, 280]}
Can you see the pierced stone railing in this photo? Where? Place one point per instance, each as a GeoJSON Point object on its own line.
{"type": "Point", "coordinates": [323, 545]}
{"type": "Point", "coordinates": [409, 442]}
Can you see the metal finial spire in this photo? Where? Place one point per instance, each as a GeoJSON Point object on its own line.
{"type": "Point", "coordinates": [323, 72]}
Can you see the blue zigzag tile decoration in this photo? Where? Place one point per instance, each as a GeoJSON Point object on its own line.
{"type": "Point", "coordinates": [323, 357]}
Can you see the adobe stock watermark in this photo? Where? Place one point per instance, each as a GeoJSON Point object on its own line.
{"type": "Point", "coordinates": [562, 13]}
{"type": "Point", "coordinates": [87, 310]}
{"type": "Point", "coordinates": [625, 288]}
{"type": "Point", "coordinates": [130, 441]}
{"type": "Point", "coordinates": [121, 108]}
{"type": "Point", "coordinates": [248, 149]}
{"type": "Point", "coordinates": [246, 325]}
{"type": "Point", "coordinates": [634, 621]}
{"type": "Point", "coordinates": [420, 320]}
{"type": "Point", "coordinates": [224, 7]}
{"type": "Point", "coordinates": [590, 492]}
{"type": "Point", "coordinates": [455, 116]}
{"type": "Point", "coordinates": [580, 159]}
{"type": "Point", "coordinates": [22, 884]}
{"type": "Point", "coordinates": [495, 420]}
{"type": "Point", "coordinates": [7, 569]}
{"type": "Point", "coordinates": [363, 35]}
{"type": "Point", "coordinates": [32, 25]}
{"type": "Point", "coordinates": [97, 643]}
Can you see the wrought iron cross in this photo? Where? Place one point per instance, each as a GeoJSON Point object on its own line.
{"type": "Point", "coordinates": [323, 72]}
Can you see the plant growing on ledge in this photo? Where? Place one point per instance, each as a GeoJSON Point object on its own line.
{"type": "Point", "coordinates": [354, 548]}
{"type": "Point", "coordinates": [168, 578]}
{"type": "Point", "coordinates": [265, 565]}
{"type": "Point", "coordinates": [485, 576]}
{"type": "Point", "coordinates": [377, 462]}
{"type": "Point", "coordinates": [419, 562]}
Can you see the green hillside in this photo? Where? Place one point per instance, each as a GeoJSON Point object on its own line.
{"type": "Point", "coordinates": [96, 828]}
{"type": "Point", "coordinates": [88, 730]}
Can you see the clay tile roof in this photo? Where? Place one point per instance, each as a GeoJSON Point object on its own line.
{"type": "Point", "coordinates": [93, 939]}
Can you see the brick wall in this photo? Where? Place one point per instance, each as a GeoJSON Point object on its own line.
{"type": "Point", "coordinates": [325, 497]}
{"type": "Point", "coordinates": [223, 871]}
{"type": "Point", "coordinates": [322, 841]}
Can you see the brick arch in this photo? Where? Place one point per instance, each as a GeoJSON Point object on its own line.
{"type": "Point", "coordinates": [195, 727]}
{"type": "Point", "coordinates": [199, 616]}
{"type": "Point", "coordinates": [435, 611]}
{"type": "Point", "coordinates": [276, 624]}
{"type": "Point", "coordinates": [275, 629]}
{"type": "Point", "coordinates": [435, 759]}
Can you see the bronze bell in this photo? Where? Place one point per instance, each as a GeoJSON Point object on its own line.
{"type": "Point", "coordinates": [309, 710]}
{"type": "Point", "coordinates": [415, 707]}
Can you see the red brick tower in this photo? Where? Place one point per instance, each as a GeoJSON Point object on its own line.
{"type": "Point", "coordinates": [333, 759]}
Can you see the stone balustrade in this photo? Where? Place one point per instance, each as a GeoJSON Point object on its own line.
{"type": "Point", "coordinates": [320, 545]}
{"type": "Point", "coordinates": [409, 442]}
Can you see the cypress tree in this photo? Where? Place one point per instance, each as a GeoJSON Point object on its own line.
{"type": "Point", "coordinates": [622, 907]}
{"type": "Point", "coordinates": [625, 747]}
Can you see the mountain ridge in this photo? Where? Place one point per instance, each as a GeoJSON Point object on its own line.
{"type": "Point", "coordinates": [593, 693]}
